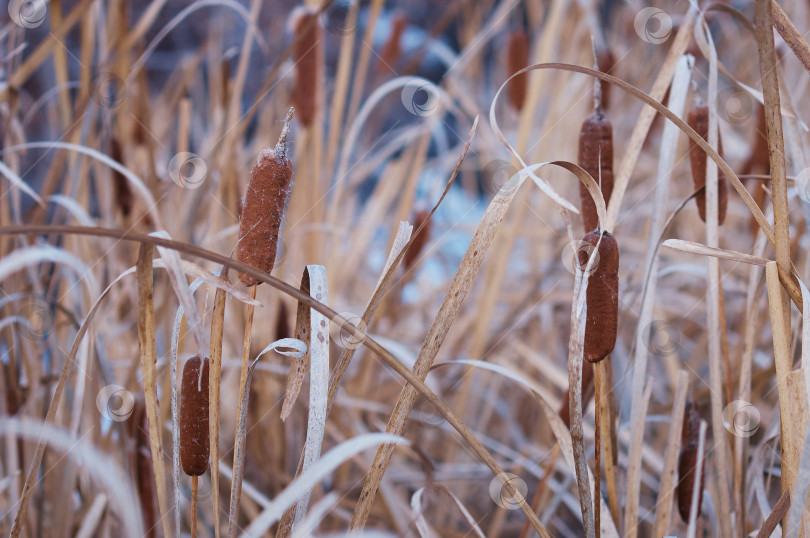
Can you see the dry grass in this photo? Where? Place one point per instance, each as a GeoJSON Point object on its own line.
{"type": "Point", "coordinates": [448, 343]}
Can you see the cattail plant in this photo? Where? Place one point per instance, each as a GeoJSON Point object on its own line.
{"type": "Point", "coordinates": [142, 465]}
{"type": "Point", "coordinates": [194, 417]}
{"type": "Point", "coordinates": [308, 60]}
{"type": "Point", "coordinates": [392, 49]}
{"type": "Point", "coordinates": [517, 59]}
{"type": "Point", "coordinates": [585, 389]}
{"type": "Point", "coordinates": [698, 120]}
{"type": "Point", "coordinates": [413, 252]}
{"type": "Point", "coordinates": [263, 207]}
{"type": "Point", "coordinates": [602, 298]}
{"type": "Point", "coordinates": [596, 157]}
{"type": "Point", "coordinates": [605, 60]}
{"type": "Point", "coordinates": [690, 443]}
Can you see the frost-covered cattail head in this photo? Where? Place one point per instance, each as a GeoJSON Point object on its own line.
{"type": "Point", "coordinates": [596, 157]}
{"type": "Point", "coordinates": [194, 417]}
{"type": "Point", "coordinates": [602, 296]}
{"type": "Point", "coordinates": [263, 207]}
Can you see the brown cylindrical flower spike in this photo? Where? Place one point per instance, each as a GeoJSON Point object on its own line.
{"type": "Point", "coordinates": [263, 207]}
{"type": "Point", "coordinates": [194, 417]}
{"type": "Point", "coordinates": [308, 59]}
{"type": "Point", "coordinates": [602, 296]}
{"type": "Point", "coordinates": [413, 252]}
{"type": "Point", "coordinates": [517, 58]}
{"type": "Point", "coordinates": [698, 120]}
{"type": "Point", "coordinates": [690, 443]}
{"type": "Point", "coordinates": [392, 49]}
{"type": "Point", "coordinates": [596, 157]}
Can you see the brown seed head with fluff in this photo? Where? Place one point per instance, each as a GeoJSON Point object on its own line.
{"type": "Point", "coordinates": [698, 120]}
{"type": "Point", "coordinates": [690, 444]}
{"type": "Point", "coordinates": [308, 59]}
{"type": "Point", "coordinates": [602, 296]}
{"type": "Point", "coordinates": [263, 208]}
{"type": "Point", "coordinates": [194, 444]}
{"type": "Point", "coordinates": [517, 59]}
{"type": "Point", "coordinates": [596, 157]}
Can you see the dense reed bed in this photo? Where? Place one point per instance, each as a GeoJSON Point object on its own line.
{"type": "Point", "coordinates": [411, 268]}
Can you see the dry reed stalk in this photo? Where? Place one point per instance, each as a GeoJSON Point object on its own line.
{"type": "Point", "coordinates": [776, 144]}
{"type": "Point", "coordinates": [790, 34]}
{"type": "Point", "coordinates": [669, 476]}
{"type": "Point", "coordinates": [687, 462]}
{"type": "Point", "coordinates": [517, 58]}
{"type": "Point", "coordinates": [698, 120]}
{"type": "Point", "coordinates": [194, 399]}
{"type": "Point", "coordinates": [602, 296]}
{"type": "Point", "coordinates": [148, 352]}
{"type": "Point", "coordinates": [308, 60]}
{"type": "Point", "coordinates": [392, 49]}
{"type": "Point", "coordinates": [780, 510]}
{"type": "Point", "coordinates": [215, 373]}
{"type": "Point", "coordinates": [263, 207]}
{"type": "Point", "coordinates": [596, 157]}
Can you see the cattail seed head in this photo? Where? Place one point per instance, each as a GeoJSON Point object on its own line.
{"type": "Point", "coordinates": [194, 417]}
{"type": "Point", "coordinates": [263, 208]}
{"type": "Point", "coordinates": [413, 252]}
{"type": "Point", "coordinates": [392, 49]}
{"type": "Point", "coordinates": [596, 157]}
{"type": "Point", "coordinates": [517, 59]}
{"type": "Point", "coordinates": [308, 58]}
{"type": "Point", "coordinates": [687, 462]}
{"type": "Point", "coordinates": [698, 120]}
{"type": "Point", "coordinates": [602, 297]}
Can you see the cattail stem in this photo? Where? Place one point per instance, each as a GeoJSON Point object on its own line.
{"type": "Point", "coordinates": [597, 483]}
{"type": "Point", "coordinates": [194, 488]}
{"type": "Point", "coordinates": [235, 488]}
